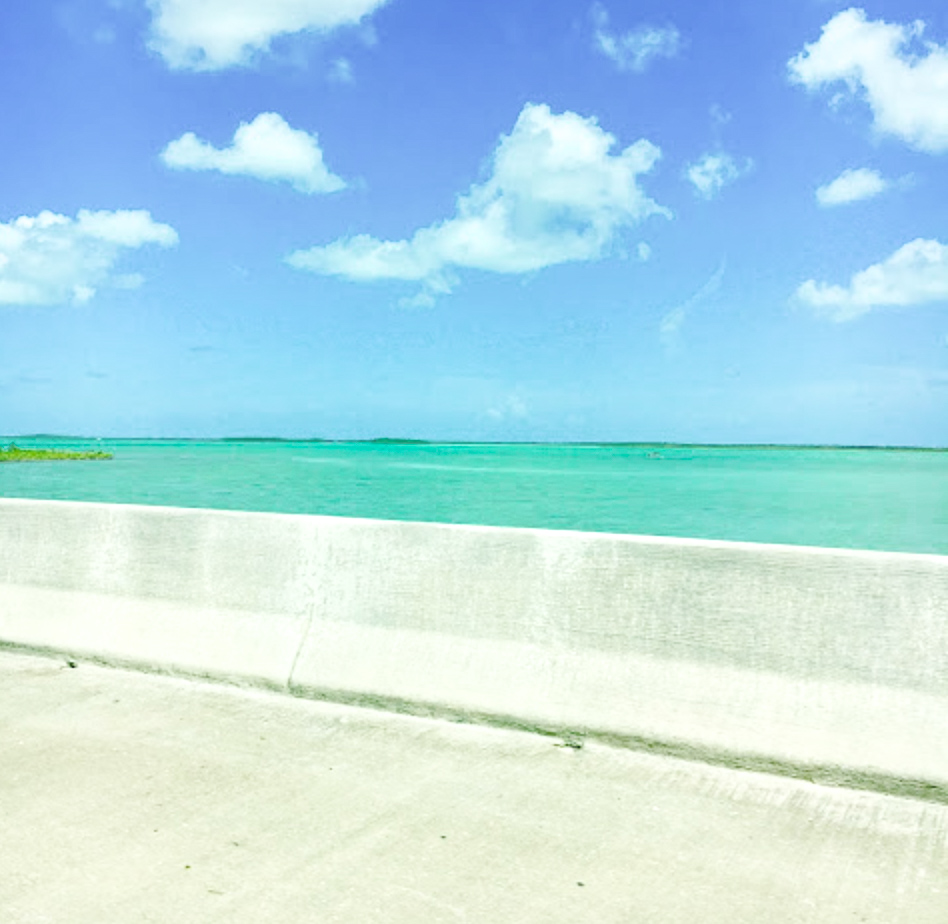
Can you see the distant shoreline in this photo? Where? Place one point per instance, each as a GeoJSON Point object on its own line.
{"type": "Point", "coordinates": [398, 441]}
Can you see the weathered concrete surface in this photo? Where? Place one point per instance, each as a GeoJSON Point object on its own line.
{"type": "Point", "coordinates": [128, 797]}
{"type": "Point", "coordinates": [823, 663]}
{"type": "Point", "coordinates": [184, 589]}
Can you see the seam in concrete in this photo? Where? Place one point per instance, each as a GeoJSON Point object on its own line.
{"type": "Point", "coordinates": [299, 649]}
{"type": "Point", "coordinates": [821, 774]}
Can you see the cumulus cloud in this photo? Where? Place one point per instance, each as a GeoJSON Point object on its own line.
{"type": "Point", "coordinates": [51, 259]}
{"type": "Point", "coordinates": [851, 186]}
{"type": "Point", "coordinates": [915, 274]}
{"type": "Point", "coordinates": [555, 194]}
{"type": "Point", "coordinates": [712, 172]}
{"type": "Point", "coordinates": [266, 148]}
{"type": "Point", "coordinates": [634, 50]}
{"type": "Point", "coordinates": [210, 35]}
{"type": "Point", "coordinates": [905, 88]}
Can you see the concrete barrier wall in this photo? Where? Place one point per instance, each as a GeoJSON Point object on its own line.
{"type": "Point", "coordinates": [758, 655]}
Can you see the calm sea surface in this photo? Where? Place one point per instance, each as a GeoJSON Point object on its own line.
{"type": "Point", "coordinates": [871, 499]}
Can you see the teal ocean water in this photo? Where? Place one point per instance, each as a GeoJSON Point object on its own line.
{"type": "Point", "coordinates": [851, 498]}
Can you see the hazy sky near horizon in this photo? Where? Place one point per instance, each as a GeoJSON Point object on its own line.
{"type": "Point", "coordinates": [557, 220]}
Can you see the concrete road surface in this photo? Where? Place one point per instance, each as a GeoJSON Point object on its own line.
{"type": "Point", "coordinates": [126, 797]}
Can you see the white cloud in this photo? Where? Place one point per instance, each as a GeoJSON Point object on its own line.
{"type": "Point", "coordinates": [671, 324]}
{"type": "Point", "coordinates": [340, 71]}
{"type": "Point", "coordinates": [555, 194]}
{"type": "Point", "coordinates": [266, 148]}
{"type": "Point", "coordinates": [512, 407]}
{"type": "Point", "coordinates": [905, 88]}
{"type": "Point", "coordinates": [719, 115]}
{"type": "Point", "coordinates": [852, 186]}
{"type": "Point", "coordinates": [712, 172]}
{"type": "Point", "coordinates": [915, 274]}
{"type": "Point", "coordinates": [635, 50]}
{"type": "Point", "coordinates": [644, 251]}
{"type": "Point", "coordinates": [51, 259]}
{"type": "Point", "coordinates": [209, 35]}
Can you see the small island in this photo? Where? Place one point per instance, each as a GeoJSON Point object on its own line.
{"type": "Point", "coordinates": [14, 453]}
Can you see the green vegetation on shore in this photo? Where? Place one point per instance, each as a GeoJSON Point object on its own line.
{"type": "Point", "coordinates": [14, 453]}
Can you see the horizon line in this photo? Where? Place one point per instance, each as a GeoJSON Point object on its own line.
{"type": "Point", "coordinates": [389, 440]}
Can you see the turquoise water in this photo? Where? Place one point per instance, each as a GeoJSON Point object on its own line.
{"type": "Point", "coordinates": [849, 498]}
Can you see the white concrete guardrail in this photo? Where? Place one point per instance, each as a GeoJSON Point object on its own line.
{"type": "Point", "coordinates": [829, 664]}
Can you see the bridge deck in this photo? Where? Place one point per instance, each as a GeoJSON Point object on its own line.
{"type": "Point", "coordinates": [128, 797]}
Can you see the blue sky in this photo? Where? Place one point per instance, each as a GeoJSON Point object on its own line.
{"type": "Point", "coordinates": [514, 220]}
